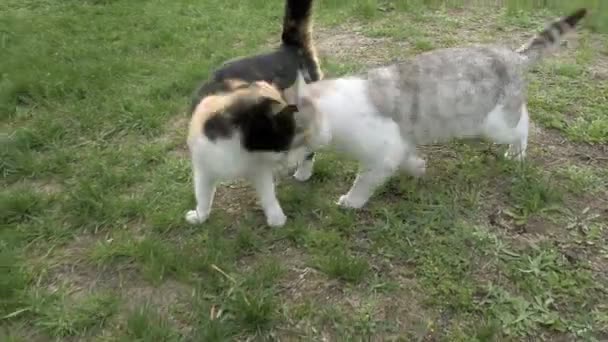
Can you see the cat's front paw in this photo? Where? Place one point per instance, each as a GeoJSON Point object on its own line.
{"type": "Point", "coordinates": [515, 153]}
{"type": "Point", "coordinates": [419, 168]}
{"type": "Point", "coordinates": [276, 219]}
{"type": "Point", "coordinates": [415, 166]}
{"type": "Point", "coordinates": [193, 217]}
{"type": "Point", "coordinates": [303, 173]}
{"type": "Point", "coordinates": [348, 203]}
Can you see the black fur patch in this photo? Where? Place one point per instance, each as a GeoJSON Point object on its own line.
{"type": "Point", "coordinates": [262, 130]}
{"type": "Point", "coordinates": [217, 127]}
{"type": "Point", "coordinates": [575, 17]}
{"type": "Point", "coordinates": [297, 12]}
{"type": "Point", "coordinates": [279, 67]}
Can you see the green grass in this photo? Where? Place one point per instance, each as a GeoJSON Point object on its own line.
{"type": "Point", "coordinates": [144, 324]}
{"type": "Point", "coordinates": [96, 181]}
{"type": "Point", "coordinates": [58, 315]}
{"type": "Point", "coordinates": [340, 265]}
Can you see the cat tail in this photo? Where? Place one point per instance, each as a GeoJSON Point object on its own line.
{"type": "Point", "coordinates": [535, 49]}
{"type": "Point", "coordinates": [297, 33]}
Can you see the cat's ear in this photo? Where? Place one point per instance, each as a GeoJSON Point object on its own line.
{"type": "Point", "coordinates": [275, 105]}
{"type": "Point", "coordinates": [281, 108]}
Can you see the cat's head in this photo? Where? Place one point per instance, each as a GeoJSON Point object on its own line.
{"type": "Point", "coordinates": [303, 96]}
{"type": "Point", "coordinates": [258, 110]}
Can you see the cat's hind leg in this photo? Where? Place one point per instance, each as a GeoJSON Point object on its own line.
{"type": "Point", "coordinates": [373, 174]}
{"type": "Point", "coordinates": [263, 181]}
{"type": "Point", "coordinates": [517, 149]}
{"type": "Point", "coordinates": [501, 130]}
{"type": "Point", "coordinates": [367, 181]}
{"type": "Point", "coordinates": [413, 164]}
{"type": "Point", "coordinates": [376, 168]}
{"type": "Point", "coordinates": [204, 191]}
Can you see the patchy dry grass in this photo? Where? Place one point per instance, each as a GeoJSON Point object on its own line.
{"type": "Point", "coordinates": [96, 179]}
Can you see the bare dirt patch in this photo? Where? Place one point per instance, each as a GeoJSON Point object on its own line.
{"type": "Point", "coordinates": [65, 268]}
{"type": "Point", "coordinates": [303, 284]}
{"type": "Point", "coordinates": [68, 269]}
{"type": "Point", "coordinates": [171, 300]}
{"type": "Point", "coordinates": [348, 42]}
{"type": "Point", "coordinates": [555, 150]}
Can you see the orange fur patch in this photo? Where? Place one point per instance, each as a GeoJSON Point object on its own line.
{"type": "Point", "coordinates": [217, 103]}
{"type": "Point", "coordinates": [235, 83]}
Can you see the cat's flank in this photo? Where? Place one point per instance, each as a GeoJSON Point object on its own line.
{"type": "Point", "coordinates": [242, 128]}
{"type": "Point", "coordinates": [463, 92]}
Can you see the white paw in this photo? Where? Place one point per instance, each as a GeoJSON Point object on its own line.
{"type": "Point", "coordinates": [348, 203]}
{"type": "Point", "coordinates": [303, 174]}
{"type": "Point", "coordinates": [276, 219]}
{"type": "Point", "coordinates": [418, 167]}
{"type": "Point", "coordinates": [193, 217]}
{"type": "Point", "coordinates": [515, 153]}
{"type": "Point", "coordinates": [414, 166]}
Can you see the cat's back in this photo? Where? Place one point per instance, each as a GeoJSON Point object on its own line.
{"type": "Point", "coordinates": [462, 81]}
{"type": "Point", "coordinates": [465, 73]}
{"type": "Point", "coordinates": [448, 91]}
{"type": "Point", "coordinates": [278, 67]}
{"type": "Point", "coordinates": [477, 62]}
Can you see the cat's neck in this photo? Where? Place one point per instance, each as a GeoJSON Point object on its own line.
{"type": "Point", "coordinates": [341, 100]}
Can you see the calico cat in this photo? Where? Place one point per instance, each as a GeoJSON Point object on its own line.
{"type": "Point", "coordinates": [242, 127]}
{"type": "Point", "coordinates": [462, 92]}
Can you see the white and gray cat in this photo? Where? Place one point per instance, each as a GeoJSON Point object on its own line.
{"type": "Point", "coordinates": [463, 92]}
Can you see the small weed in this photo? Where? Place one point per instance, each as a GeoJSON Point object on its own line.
{"type": "Point", "coordinates": [214, 329]}
{"type": "Point", "coordinates": [367, 9]}
{"type": "Point", "coordinates": [533, 192]}
{"type": "Point", "coordinates": [339, 264]}
{"type": "Point", "coordinates": [144, 324]}
{"type": "Point", "coordinates": [264, 275]}
{"type": "Point", "coordinates": [21, 205]}
{"type": "Point", "coordinates": [246, 241]}
{"type": "Point", "coordinates": [157, 261]}
{"type": "Point", "coordinates": [61, 316]}
{"type": "Point", "coordinates": [255, 310]}
{"type": "Point", "coordinates": [422, 45]}
{"type": "Point", "coordinates": [517, 315]}
{"type": "Point", "coordinates": [13, 282]}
